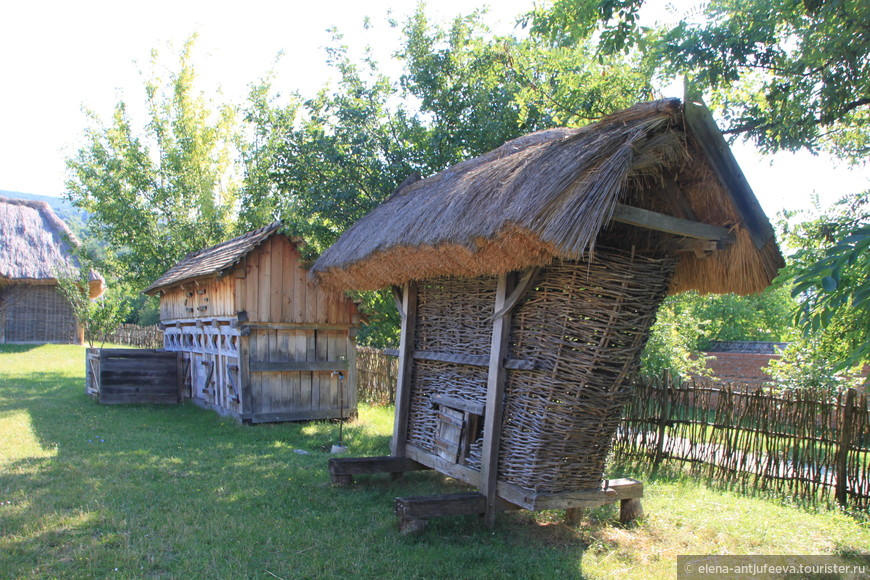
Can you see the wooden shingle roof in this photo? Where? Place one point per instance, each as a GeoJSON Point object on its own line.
{"type": "Point", "coordinates": [215, 260]}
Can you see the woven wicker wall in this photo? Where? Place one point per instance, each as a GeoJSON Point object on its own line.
{"type": "Point", "coordinates": [583, 325]}
{"type": "Point", "coordinates": [452, 317]}
{"type": "Point", "coordinates": [37, 313]}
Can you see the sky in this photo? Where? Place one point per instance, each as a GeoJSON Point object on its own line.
{"type": "Point", "coordinates": [57, 57]}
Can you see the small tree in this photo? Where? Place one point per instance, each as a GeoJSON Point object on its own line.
{"type": "Point", "coordinates": [99, 317]}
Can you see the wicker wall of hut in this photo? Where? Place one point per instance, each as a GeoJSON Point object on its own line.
{"type": "Point", "coordinates": [35, 313]}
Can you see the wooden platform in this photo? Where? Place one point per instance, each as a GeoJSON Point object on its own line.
{"type": "Point", "coordinates": [415, 511]}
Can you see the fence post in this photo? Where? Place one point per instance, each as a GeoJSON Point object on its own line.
{"type": "Point", "coordinates": [663, 419]}
{"type": "Point", "coordinates": [844, 444]}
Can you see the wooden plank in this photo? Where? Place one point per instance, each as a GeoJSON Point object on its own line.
{"type": "Point", "coordinates": [282, 416]}
{"type": "Point", "coordinates": [244, 375]}
{"type": "Point", "coordinates": [300, 286]}
{"type": "Point", "coordinates": [288, 281]}
{"type": "Point", "coordinates": [351, 385]}
{"type": "Point", "coordinates": [264, 312]}
{"type": "Point", "coordinates": [369, 465]}
{"type": "Point", "coordinates": [494, 401]}
{"type": "Point", "coordinates": [406, 362]}
{"type": "Point", "coordinates": [293, 326]}
{"type": "Point", "coordinates": [457, 403]}
{"type": "Point", "coordinates": [423, 507]}
{"type": "Point", "coordinates": [307, 351]}
{"type": "Point", "coordinates": [615, 490]}
{"type": "Point", "coordinates": [276, 301]}
{"type": "Point", "coordinates": [645, 218]}
{"type": "Point", "coordinates": [461, 472]}
{"type": "Point", "coordinates": [699, 122]}
{"type": "Point", "coordinates": [465, 359]}
{"type": "Point", "coordinates": [299, 366]}
{"type": "Point", "coordinates": [252, 290]}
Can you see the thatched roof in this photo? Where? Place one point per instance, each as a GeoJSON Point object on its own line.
{"type": "Point", "coordinates": [553, 193]}
{"type": "Point", "coordinates": [35, 245]}
{"type": "Point", "coordinates": [216, 260]}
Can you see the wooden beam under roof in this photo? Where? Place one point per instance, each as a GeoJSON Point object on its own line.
{"type": "Point", "coordinates": [645, 218]}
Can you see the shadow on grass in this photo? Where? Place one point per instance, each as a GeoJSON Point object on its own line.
{"type": "Point", "coordinates": [166, 491]}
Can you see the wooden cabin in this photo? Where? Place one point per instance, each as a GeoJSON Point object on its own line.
{"type": "Point", "coordinates": [35, 248]}
{"type": "Point", "coordinates": [259, 340]}
{"type": "Point", "coordinates": [527, 280]}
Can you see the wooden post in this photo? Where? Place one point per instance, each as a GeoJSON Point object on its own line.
{"type": "Point", "coordinates": [244, 373]}
{"type": "Point", "coordinates": [494, 401]}
{"type": "Point", "coordinates": [351, 385]}
{"type": "Point", "coordinates": [406, 364]}
{"type": "Point", "coordinates": [663, 419]}
{"type": "Point", "coordinates": [844, 444]}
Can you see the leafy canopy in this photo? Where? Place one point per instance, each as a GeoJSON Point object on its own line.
{"type": "Point", "coordinates": [160, 192]}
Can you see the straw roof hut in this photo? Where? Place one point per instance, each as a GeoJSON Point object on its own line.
{"type": "Point", "coordinates": [35, 246]}
{"type": "Point", "coordinates": [528, 279]}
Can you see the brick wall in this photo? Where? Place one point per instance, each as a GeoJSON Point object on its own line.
{"type": "Point", "coordinates": [740, 367]}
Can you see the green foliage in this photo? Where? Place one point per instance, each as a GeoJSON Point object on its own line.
{"type": "Point", "coordinates": [786, 74]}
{"type": "Point", "coordinates": [830, 272]}
{"type": "Point", "coordinates": [687, 323]}
{"type": "Point", "coordinates": [98, 317]}
{"type": "Point", "coordinates": [156, 194]}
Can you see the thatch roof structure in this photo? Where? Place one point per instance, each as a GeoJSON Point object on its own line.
{"type": "Point", "coordinates": [36, 246]}
{"type": "Point", "coordinates": [555, 193]}
{"type": "Point", "coordinates": [215, 261]}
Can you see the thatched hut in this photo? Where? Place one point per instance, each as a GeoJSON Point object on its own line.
{"type": "Point", "coordinates": [260, 342]}
{"type": "Point", "coordinates": [528, 279]}
{"type": "Point", "coordinates": [36, 247]}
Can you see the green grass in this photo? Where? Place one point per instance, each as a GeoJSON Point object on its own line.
{"type": "Point", "coordinates": [88, 490]}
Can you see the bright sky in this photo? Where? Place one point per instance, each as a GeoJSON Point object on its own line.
{"type": "Point", "coordinates": [58, 56]}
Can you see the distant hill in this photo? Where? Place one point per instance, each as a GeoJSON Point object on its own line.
{"type": "Point", "coordinates": [72, 216]}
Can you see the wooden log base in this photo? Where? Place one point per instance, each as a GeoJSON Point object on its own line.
{"type": "Point", "coordinates": [630, 510]}
{"type": "Point", "coordinates": [573, 516]}
{"type": "Point", "coordinates": [414, 512]}
{"type": "Point", "coordinates": [342, 469]}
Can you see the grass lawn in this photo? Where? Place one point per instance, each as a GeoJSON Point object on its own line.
{"type": "Point", "coordinates": [88, 490]}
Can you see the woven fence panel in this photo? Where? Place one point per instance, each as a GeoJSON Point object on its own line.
{"type": "Point", "coordinates": [748, 438]}
{"type": "Point", "coordinates": [583, 325]}
{"type": "Point", "coordinates": [35, 313]}
{"type": "Point", "coordinates": [376, 376]}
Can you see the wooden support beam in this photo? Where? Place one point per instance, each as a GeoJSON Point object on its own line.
{"type": "Point", "coordinates": [296, 366]}
{"type": "Point", "coordinates": [494, 400]}
{"type": "Point", "coordinates": [468, 359]}
{"type": "Point", "coordinates": [530, 275]}
{"type": "Point", "coordinates": [423, 507]}
{"type": "Point", "coordinates": [406, 364]}
{"type": "Point", "coordinates": [342, 469]}
{"type": "Point", "coordinates": [645, 218]}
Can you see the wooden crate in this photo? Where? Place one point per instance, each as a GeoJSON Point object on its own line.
{"type": "Point", "coordinates": [116, 375]}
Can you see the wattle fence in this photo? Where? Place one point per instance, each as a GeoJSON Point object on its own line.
{"type": "Point", "coordinates": [807, 445]}
{"type": "Point", "coordinates": [811, 446]}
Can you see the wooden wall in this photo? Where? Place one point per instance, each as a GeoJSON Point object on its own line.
{"type": "Point", "coordinates": [281, 359]}
{"type": "Point", "coordinates": [122, 375]}
{"type": "Point", "coordinates": [270, 284]}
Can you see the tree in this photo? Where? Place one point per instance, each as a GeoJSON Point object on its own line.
{"type": "Point", "coordinates": [163, 191]}
{"type": "Point", "coordinates": [98, 317]}
{"type": "Point", "coordinates": [785, 74]}
{"type": "Point", "coordinates": [831, 275]}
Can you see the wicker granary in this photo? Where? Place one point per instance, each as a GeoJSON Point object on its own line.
{"type": "Point", "coordinates": [35, 248]}
{"type": "Point", "coordinates": [259, 341]}
{"type": "Point", "coordinates": [528, 279]}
